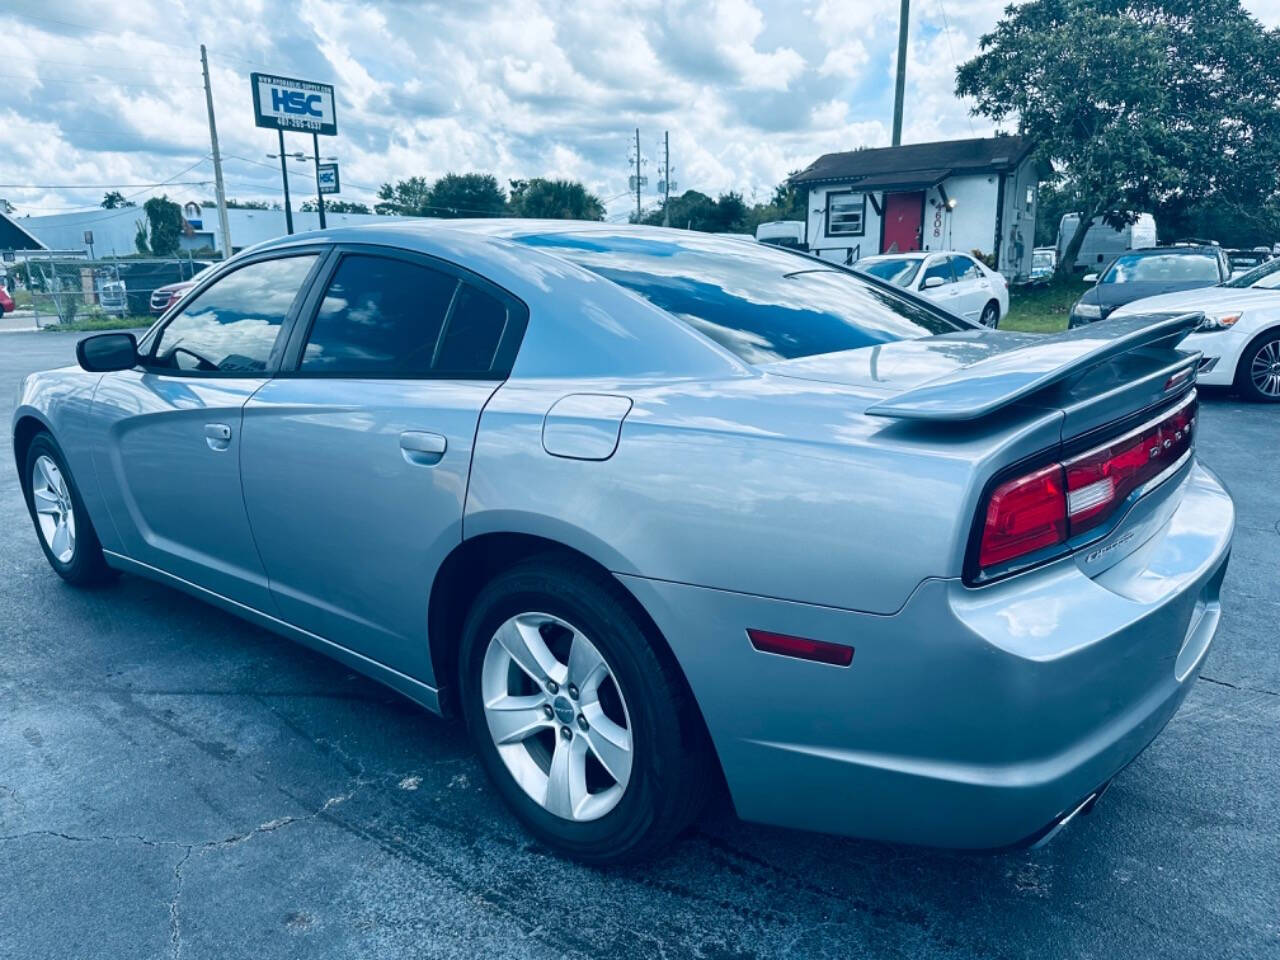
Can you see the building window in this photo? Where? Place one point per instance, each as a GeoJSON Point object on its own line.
{"type": "Point", "coordinates": [846, 214]}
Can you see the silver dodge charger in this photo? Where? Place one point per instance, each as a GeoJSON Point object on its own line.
{"type": "Point", "coordinates": [656, 511]}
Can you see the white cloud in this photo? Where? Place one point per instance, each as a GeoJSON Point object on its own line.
{"type": "Point", "coordinates": [98, 92]}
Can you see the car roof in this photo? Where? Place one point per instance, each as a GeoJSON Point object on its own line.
{"type": "Point", "coordinates": [906, 255]}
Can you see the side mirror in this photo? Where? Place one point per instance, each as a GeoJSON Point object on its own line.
{"type": "Point", "coordinates": [105, 352]}
{"type": "Point", "coordinates": [932, 283]}
{"type": "Point", "coordinates": [1090, 278]}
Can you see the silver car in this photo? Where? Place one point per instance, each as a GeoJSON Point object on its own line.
{"type": "Point", "coordinates": [654, 510]}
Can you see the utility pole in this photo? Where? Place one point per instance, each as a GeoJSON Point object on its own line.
{"type": "Point", "coordinates": [315, 151]}
{"type": "Point", "coordinates": [284, 172]}
{"type": "Point", "coordinates": [901, 84]}
{"type": "Point", "coordinates": [220, 192]}
{"type": "Point", "coordinates": [638, 183]}
{"type": "Point", "coordinates": [666, 178]}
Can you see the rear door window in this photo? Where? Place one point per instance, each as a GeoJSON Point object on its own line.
{"type": "Point", "coordinates": [474, 331]}
{"type": "Point", "coordinates": [380, 316]}
{"type": "Point", "coordinates": [965, 268]}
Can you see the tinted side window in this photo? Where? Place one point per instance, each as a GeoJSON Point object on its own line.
{"type": "Point", "coordinates": [379, 315]}
{"type": "Point", "coordinates": [965, 268]}
{"type": "Point", "coordinates": [474, 331]}
{"type": "Point", "coordinates": [232, 326]}
{"type": "Point", "coordinates": [939, 268]}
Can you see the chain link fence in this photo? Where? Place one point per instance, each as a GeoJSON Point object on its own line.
{"type": "Point", "coordinates": [66, 291]}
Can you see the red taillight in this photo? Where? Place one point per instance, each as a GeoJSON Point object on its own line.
{"type": "Point", "coordinates": [836, 654]}
{"type": "Point", "coordinates": [1099, 480]}
{"type": "Point", "coordinates": [1062, 500]}
{"type": "Point", "coordinates": [1024, 515]}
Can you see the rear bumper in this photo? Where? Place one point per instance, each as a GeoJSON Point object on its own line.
{"type": "Point", "coordinates": [972, 718]}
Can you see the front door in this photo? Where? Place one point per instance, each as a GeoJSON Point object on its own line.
{"type": "Point", "coordinates": [903, 219]}
{"type": "Point", "coordinates": [170, 470]}
{"type": "Point", "coordinates": [356, 459]}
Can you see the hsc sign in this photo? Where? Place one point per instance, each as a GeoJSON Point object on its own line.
{"type": "Point", "coordinates": [283, 103]}
{"type": "Point", "coordinates": [327, 178]}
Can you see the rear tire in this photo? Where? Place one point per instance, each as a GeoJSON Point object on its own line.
{"type": "Point", "coordinates": [1258, 373]}
{"type": "Point", "coordinates": [545, 608]}
{"type": "Point", "coordinates": [62, 524]}
{"type": "Point", "coordinates": [990, 315]}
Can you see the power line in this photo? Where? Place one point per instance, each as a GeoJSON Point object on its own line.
{"type": "Point", "coordinates": [106, 186]}
{"type": "Point", "coordinates": [946, 28]}
{"type": "Point", "coordinates": [99, 82]}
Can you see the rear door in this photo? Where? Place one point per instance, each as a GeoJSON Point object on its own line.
{"type": "Point", "coordinates": [973, 288]}
{"type": "Point", "coordinates": [356, 457]}
{"type": "Point", "coordinates": [170, 468]}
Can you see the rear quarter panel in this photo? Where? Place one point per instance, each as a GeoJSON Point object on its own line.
{"type": "Point", "coordinates": [757, 484]}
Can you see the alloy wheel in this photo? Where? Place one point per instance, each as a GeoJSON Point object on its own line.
{"type": "Point", "coordinates": [1264, 371]}
{"type": "Point", "coordinates": [557, 716]}
{"type": "Point", "coordinates": [51, 498]}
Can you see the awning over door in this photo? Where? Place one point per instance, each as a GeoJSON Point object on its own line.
{"type": "Point", "coordinates": [903, 182]}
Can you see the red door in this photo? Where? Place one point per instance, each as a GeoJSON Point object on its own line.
{"type": "Point", "coordinates": [903, 218]}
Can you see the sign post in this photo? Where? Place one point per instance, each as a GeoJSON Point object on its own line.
{"type": "Point", "coordinates": [315, 156]}
{"type": "Point", "coordinates": [284, 103]}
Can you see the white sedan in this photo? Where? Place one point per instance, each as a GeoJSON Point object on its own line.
{"type": "Point", "coordinates": [1240, 335]}
{"type": "Point", "coordinates": [956, 281]}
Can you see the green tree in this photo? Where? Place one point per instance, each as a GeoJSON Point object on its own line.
{"type": "Point", "coordinates": [410, 198]}
{"type": "Point", "coordinates": [140, 236]}
{"type": "Point", "coordinates": [1136, 101]}
{"type": "Point", "coordinates": [114, 199]}
{"type": "Point", "coordinates": [554, 200]}
{"type": "Point", "coordinates": [164, 221]}
{"type": "Point", "coordinates": [691, 210]}
{"type": "Point", "coordinates": [466, 195]}
{"type": "Point", "coordinates": [335, 206]}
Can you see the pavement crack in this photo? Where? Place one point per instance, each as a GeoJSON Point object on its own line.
{"type": "Point", "coordinates": [1233, 686]}
{"type": "Point", "coordinates": [175, 917]}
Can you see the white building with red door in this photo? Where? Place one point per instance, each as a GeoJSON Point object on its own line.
{"type": "Point", "coordinates": [964, 195]}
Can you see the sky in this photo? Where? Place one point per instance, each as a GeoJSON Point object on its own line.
{"type": "Point", "coordinates": [108, 95]}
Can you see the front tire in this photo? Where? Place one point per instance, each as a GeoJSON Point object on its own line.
{"type": "Point", "coordinates": [990, 315]}
{"type": "Point", "coordinates": [1258, 374]}
{"type": "Point", "coordinates": [584, 725]}
{"type": "Point", "coordinates": [62, 524]}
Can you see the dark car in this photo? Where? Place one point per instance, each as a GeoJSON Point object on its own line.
{"type": "Point", "coordinates": [1242, 261]}
{"type": "Point", "coordinates": [1146, 273]}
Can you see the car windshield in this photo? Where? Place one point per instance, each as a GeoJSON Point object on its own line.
{"type": "Point", "coordinates": [1162, 268]}
{"type": "Point", "coordinates": [899, 270]}
{"type": "Point", "coordinates": [1264, 277]}
{"type": "Point", "coordinates": [761, 303]}
{"type": "Point", "coordinates": [1042, 260]}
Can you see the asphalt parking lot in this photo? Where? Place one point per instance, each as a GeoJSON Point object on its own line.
{"type": "Point", "coordinates": [174, 782]}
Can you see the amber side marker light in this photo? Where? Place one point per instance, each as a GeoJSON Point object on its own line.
{"type": "Point", "coordinates": [819, 651]}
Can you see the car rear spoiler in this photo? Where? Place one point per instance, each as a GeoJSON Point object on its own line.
{"type": "Point", "coordinates": [986, 386]}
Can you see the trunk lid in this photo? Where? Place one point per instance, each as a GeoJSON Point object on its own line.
{"type": "Point", "coordinates": [1102, 383]}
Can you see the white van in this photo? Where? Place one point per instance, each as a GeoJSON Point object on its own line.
{"type": "Point", "coordinates": [782, 233]}
{"type": "Point", "coordinates": [1102, 242]}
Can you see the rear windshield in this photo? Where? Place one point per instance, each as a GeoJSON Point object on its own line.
{"type": "Point", "coordinates": [1162, 268]}
{"type": "Point", "coordinates": [761, 303]}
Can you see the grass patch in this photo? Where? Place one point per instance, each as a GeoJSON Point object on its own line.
{"type": "Point", "coordinates": [1042, 309]}
{"type": "Point", "coordinates": [21, 298]}
{"type": "Point", "coordinates": [97, 324]}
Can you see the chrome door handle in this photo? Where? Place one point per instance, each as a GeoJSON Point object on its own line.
{"type": "Point", "coordinates": [217, 436]}
{"type": "Point", "coordinates": [421, 447]}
